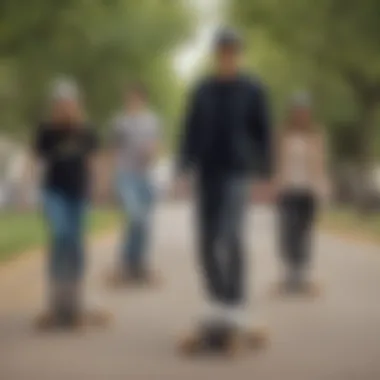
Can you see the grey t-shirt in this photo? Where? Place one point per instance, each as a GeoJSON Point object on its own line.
{"type": "Point", "coordinates": [132, 134]}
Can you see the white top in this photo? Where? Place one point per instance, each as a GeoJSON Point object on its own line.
{"type": "Point", "coordinates": [298, 163]}
{"type": "Point", "coordinates": [17, 166]}
{"type": "Point", "coordinates": [131, 135]}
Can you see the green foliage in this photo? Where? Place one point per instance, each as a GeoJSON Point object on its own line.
{"type": "Point", "coordinates": [331, 47]}
{"type": "Point", "coordinates": [102, 43]}
{"type": "Point", "coordinates": [22, 231]}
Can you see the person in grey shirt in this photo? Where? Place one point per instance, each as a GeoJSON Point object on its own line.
{"type": "Point", "coordinates": [136, 136]}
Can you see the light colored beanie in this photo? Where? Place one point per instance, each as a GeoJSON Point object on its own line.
{"type": "Point", "coordinates": [301, 99]}
{"type": "Point", "coordinates": [64, 89]}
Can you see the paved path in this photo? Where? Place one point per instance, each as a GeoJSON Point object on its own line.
{"type": "Point", "coordinates": [336, 337]}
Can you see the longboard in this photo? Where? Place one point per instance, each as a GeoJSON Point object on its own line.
{"type": "Point", "coordinates": [223, 340]}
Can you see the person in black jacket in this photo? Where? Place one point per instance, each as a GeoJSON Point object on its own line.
{"type": "Point", "coordinates": [226, 143]}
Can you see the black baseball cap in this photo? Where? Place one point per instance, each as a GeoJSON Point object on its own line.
{"type": "Point", "coordinates": [228, 38]}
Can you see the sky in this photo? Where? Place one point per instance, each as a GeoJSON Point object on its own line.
{"type": "Point", "coordinates": [186, 60]}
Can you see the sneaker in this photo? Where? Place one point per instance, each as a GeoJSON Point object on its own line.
{"type": "Point", "coordinates": [257, 337]}
{"type": "Point", "coordinates": [310, 288]}
{"type": "Point", "coordinates": [46, 321]}
{"type": "Point", "coordinates": [146, 277]}
{"type": "Point", "coordinates": [117, 278]}
{"type": "Point", "coordinates": [192, 343]}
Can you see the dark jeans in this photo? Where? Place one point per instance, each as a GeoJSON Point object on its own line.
{"type": "Point", "coordinates": [137, 199]}
{"type": "Point", "coordinates": [65, 218]}
{"type": "Point", "coordinates": [221, 206]}
{"type": "Point", "coordinates": [296, 217]}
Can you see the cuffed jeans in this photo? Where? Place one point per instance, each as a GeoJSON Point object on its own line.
{"type": "Point", "coordinates": [222, 203]}
{"type": "Point", "coordinates": [65, 218]}
{"type": "Point", "coordinates": [137, 198]}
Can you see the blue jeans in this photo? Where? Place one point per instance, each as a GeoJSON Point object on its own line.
{"type": "Point", "coordinates": [65, 218]}
{"type": "Point", "coordinates": [136, 195]}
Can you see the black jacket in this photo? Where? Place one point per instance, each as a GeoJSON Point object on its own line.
{"type": "Point", "coordinates": [249, 130]}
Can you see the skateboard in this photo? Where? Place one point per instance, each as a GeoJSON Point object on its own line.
{"type": "Point", "coordinates": [66, 311]}
{"type": "Point", "coordinates": [53, 321]}
{"type": "Point", "coordinates": [306, 289]}
{"type": "Point", "coordinates": [118, 279]}
{"type": "Point", "coordinates": [221, 339]}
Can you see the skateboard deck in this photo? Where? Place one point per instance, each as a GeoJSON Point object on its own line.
{"type": "Point", "coordinates": [50, 321]}
{"type": "Point", "coordinates": [308, 289]}
{"type": "Point", "coordinates": [223, 340]}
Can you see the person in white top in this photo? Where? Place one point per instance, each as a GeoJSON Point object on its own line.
{"type": "Point", "coordinates": [301, 182]}
{"type": "Point", "coordinates": [136, 139]}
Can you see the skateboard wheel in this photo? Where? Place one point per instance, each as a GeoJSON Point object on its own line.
{"type": "Point", "coordinates": [191, 345]}
{"type": "Point", "coordinates": [257, 338]}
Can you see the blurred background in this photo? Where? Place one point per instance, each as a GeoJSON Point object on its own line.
{"type": "Point", "coordinates": [328, 47]}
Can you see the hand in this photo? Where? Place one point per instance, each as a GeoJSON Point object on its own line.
{"type": "Point", "coordinates": [325, 192]}
{"type": "Point", "coordinates": [264, 192]}
{"type": "Point", "coordinates": [181, 187]}
{"type": "Point", "coordinates": [149, 153]}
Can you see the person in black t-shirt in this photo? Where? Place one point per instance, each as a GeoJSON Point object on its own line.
{"type": "Point", "coordinates": [65, 145]}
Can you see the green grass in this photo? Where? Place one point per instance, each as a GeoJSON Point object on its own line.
{"type": "Point", "coordinates": [20, 231]}
{"type": "Point", "coordinates": [350, 222]}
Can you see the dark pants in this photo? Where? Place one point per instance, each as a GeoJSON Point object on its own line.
{"type": "Point", "coordinates": [296, 217]}
{"type": "Point", "coordinates": [221, 205]}
{"type": "Point", "coordinates": [65, 217]}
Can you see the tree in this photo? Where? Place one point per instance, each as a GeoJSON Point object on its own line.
{"type": "Point", "coordinates": [335, 46]}
{"type": "Point", "coordinates": [103, 44]}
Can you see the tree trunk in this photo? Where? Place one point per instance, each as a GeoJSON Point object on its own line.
{"type": "Point", "coordinates": [366, 124]}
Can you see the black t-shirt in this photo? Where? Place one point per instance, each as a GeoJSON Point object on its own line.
{"type": "Point", "coordinates": [65, 151]}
